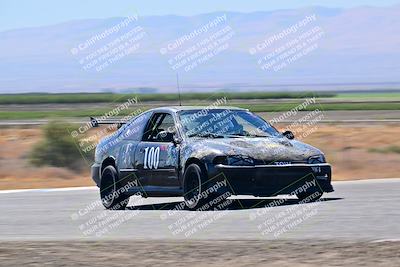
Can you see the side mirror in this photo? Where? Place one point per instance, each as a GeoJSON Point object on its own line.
{"type": "Point", "coordinates": [288, 135]}
{"type": "Point", "coordinates": [177, 140]}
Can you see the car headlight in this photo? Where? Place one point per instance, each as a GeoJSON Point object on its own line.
{"type": "Point", "coordinates": [235, 160]}
{"type": "Point", "coordinates": [316, 159]}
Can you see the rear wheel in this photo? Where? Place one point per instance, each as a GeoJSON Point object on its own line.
{"type": "Point", "coordinates": [109, 190]}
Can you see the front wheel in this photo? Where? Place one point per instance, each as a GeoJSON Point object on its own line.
{"type": "Point", "coordinates": [110, 195]}
{"type": "Point", "coordinates": [199, 193]}
{"type": "Point", "coordinates": [192, 185]}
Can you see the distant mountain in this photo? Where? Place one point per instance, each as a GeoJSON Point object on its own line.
{"type": "Point", "coordinates": [358, 45]}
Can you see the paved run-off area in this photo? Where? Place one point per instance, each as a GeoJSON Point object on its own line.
{"type": "Point", "coordinates": [358, 224]}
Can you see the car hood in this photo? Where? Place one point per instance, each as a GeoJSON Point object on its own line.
{"type": "Point", "coordinates": [264, 149]}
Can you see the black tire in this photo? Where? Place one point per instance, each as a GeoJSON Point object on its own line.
{"type": "Point", "coordinates": [312, 194]}
{"type": "Point", "coordinates": [109, 190]}
{"type": "Point", "coordinates": [193, 181]}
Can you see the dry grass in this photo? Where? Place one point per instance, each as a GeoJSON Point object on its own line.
{"type": "Point", "coordinates": [16, 172]}
{"type": "Point", "coordinates": [350, 148]}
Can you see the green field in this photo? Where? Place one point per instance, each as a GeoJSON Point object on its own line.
{"type": "Point", "coordinates": [273, 107]}
{"type": "Point", "coordinates": [284, 101]}
{"type": "Point", "coordinates": [40, 98]}
{"type": "Point", "coordinates": [369, 96]}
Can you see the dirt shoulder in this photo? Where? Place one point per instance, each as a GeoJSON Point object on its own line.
{"type": "Point", "coordinates": [200, 253]}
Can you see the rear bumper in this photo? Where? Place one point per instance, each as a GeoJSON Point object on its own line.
{"type": "Point", "coordinates": [95, 173]}
{"type": "Point", "coordinates": [272, 180]}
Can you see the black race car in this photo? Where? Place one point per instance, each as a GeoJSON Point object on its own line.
{"type": "Point", "coordinates": [204, 153]}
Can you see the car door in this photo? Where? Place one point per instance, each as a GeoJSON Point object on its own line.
{"type": "Point", "coordinates": [156, 154]}
{"type": "Point", "coordinates": [129, 138]}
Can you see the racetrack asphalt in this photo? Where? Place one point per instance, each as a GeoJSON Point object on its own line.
{"type": "Point", "coordinates": [366, 210]}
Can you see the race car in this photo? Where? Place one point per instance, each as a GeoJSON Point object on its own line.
{"type": "Point", "coordinates": [202, 153]}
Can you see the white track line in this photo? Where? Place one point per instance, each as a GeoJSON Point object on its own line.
{"type": "Point", "coordinates": [48, 189]}
{"type": "Point", "coordinates": [368, 181]}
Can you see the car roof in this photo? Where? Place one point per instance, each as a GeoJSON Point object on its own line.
{"type": "Point", "coordinates": [180, 108]}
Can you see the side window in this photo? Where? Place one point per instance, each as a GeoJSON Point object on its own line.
{"type": "Point", "coordinates": [134, 129]}
{"type": "Point", "coordinates": [159, 122]}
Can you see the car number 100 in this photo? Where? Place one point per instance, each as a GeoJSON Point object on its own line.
{"type": "Point", "coordinates": [151, 157]}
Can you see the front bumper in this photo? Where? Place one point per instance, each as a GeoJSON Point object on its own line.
{"type": "Point", "coordinates": [272, 180]}
{"type": "Point", "coordinates": [95, 173]}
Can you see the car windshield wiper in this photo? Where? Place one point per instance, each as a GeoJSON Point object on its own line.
{"type": "Point", "coordinates": [206, 135]}
{"type": "Point", "coordinates": [247, 135]}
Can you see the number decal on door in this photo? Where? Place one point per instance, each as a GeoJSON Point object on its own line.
{"type": "Point", "coordinates": [151, 157]}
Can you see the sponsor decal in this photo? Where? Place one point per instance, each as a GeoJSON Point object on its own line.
{"type": "Point", "coordinates": [316, 169]}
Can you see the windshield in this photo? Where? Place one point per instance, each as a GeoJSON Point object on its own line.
{"type": "Point", "coordinates": [218, 123]}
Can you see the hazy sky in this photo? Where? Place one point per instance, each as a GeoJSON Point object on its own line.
{"type": "Point", "coordinates": [27, 13]}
